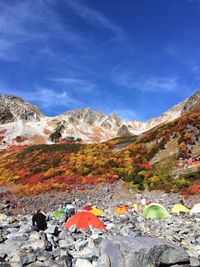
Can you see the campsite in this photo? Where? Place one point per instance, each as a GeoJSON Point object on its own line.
{"type": "Point", "coordinates": [99, 133]}
{"type": "Point", "coordinates": [107, 230]}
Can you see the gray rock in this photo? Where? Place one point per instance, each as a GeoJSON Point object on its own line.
{"type": "Point", "coordinates": [38, 264]}
{"type": "Point", "coordinates": [43, 255]}
{"type": "Point", "coordinates": [80, 244]}
{"type": "Point", "coordinates": [194, 262]}
{"type": "Point", "coordinates": [143, 252]}
{"type": "Point", "coordinates": [63, 252]}
{"type": "Point", "coordinates": [63, 235]}
{"type": "Point", "coordinates": [88, 252]}
{"type": "Point", "coordinates": [16, 236]}
{"type": "Point", "coordinates": [4, 264]}
{"type": "Point", "coordinates": [115, 255]}
{"type": "Point", "coordinates": [2, 239]}
{"type": "Point", "coordinates": [104, 261]}
{"type": "Point", "coordinates": [23, 257]}
{"type": "Point", "coordinates": [34, 236]}
{"type": "Point", "coordinates": [56, 252]}
{"type": "Point", "coordinates": [51, 229]}
{"type": "Point", "coordinates": [63, 244]}
{"type": "Point", "coordinates": [72, 229]}
{"type": "Point", "coordinates": [34, 244]}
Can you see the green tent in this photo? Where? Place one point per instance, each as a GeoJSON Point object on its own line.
{"type": "Point", "coordinates": [58, 214]}
{"type": "Point", "coordinates": [155, 211]}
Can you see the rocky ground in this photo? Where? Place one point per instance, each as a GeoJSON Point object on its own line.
{"type": "Point", "coordinates": [131, 240]}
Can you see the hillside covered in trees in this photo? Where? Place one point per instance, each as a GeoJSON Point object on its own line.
{"type": "Point", "coordinates": [147, 161]}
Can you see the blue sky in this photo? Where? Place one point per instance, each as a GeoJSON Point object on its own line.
{"type": "Point", "coordinates": [135, 57]}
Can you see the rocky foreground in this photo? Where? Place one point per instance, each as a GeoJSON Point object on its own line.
{"type": "Point", "coordinates": [131, 240]}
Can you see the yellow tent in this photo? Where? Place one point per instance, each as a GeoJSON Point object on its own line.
{"type": "Point", "coordinates": [97, 212]}
{"type": "Point", "coordinates": [179, 208]}
{"type": "Point", "coordinates": [121, 210]}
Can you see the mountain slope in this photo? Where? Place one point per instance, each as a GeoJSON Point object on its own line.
{"type": "Point", "coordinates": [15, 108]}
{"type": "Point", "coordinates": [147, 161]}
{"type": "Point", "coordinates": [21, 122]}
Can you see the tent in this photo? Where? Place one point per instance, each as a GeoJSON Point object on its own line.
{"type": "Point", "coordinates": [179, 208]}
{"type": "Point", "coordinates": [195, 209]}
{"type": "Point", "coordinates": [58, 214]}
{"type": "Point", "coordinates": [85, 219]}
{"type": "Point", "coordinates": [155, 211]}
{"type": "Point", "coordinates": [136, 207]}
{"type": "Point", "coordinates": [97, 211]}
{"type": "Point", "coordinates": [121, 210]}
{"type": "Point", "coordinates": [88, 208]}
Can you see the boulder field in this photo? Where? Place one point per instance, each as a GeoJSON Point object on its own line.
{"type": "Point", "coordinates": [130, 239]}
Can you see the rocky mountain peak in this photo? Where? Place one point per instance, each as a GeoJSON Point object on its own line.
{"type": "Point", "coordinates": [86, 115]}
{"type": "Point", "coordinates": [191, 102]}
{"type": "Point", "coordinates": [123, 131]}
{"type": "Point", "coordinates": [87, 124]}
{"type": "Point", "coordinates": [13, 108]}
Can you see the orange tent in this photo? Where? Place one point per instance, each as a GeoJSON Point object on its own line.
{"type": "Point", "coordinates": [83, 220]}
{"type": "Point", "coordinates": [121, 210]}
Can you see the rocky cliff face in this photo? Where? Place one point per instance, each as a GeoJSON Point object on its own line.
{"type": "Point", "coordinates": [20, 118]}
{"type": "Point", "coordinates": [14, 108]}
{"type": "Point", "coordinates": [191, 102]}
{"type": "Point", "coordinates": [5, 115]}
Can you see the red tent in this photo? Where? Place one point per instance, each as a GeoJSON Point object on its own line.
{"type": "Point", "coordinates": [83, 220]}
{"type": "Point", "coordinates": [88, 208]}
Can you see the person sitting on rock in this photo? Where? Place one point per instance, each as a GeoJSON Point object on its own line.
{"type": "Point", "coordinates": [39, 221]}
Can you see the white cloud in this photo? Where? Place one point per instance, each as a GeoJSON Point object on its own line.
{"type": "Point", "coordinates": [46, 97]}
{"type": "Point", "coordinates": [94, 17]}
{"type": "Point", "coordinates": [23, 22]}
{"type": "Point", "coordinates": [146, 83]}
{"type": "Point", "coordinates": [76, 84]}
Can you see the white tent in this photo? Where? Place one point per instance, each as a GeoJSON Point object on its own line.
{"type": "Point", "coordinates": [195, 209]}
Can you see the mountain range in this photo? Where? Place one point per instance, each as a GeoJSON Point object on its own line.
{"type": "Point", "coordinates": [24, 123]}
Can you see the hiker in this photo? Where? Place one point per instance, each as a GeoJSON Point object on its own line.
{"type": "Point", "coordinates": [142, 204]}
{"type": "Point", "coordinates": [69, 210]}
{"type": "Point", "coordinates": [39, 221]}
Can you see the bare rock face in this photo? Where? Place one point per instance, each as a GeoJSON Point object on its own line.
{"type": "Point", "coordinates": [142, 252]}
{"type": "Point", "coordinates": [123, 131]}
{"type": "Point", "coordinates": [25, 119]}
{"type": "Point", "coordinates": [5, 115]}
{"type": "Point", "coordinates": [191, 102]}
{"type": "Point", "coordinates": [14, 108]}
{"type": "Point", "coordinates": [85, 115]}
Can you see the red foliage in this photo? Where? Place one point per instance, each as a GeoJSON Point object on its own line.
{"type": "Point", "coordinates": [3, 131]}
{"type": "Point", "coordinates": [145, 165]}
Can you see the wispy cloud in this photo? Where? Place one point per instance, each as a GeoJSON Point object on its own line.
{"type": "Point", "coordinates": [95, 18]}
{"type": "Point", "coordinates": [146, 83]}
{"type": "Point", "coordinates": [24, 22]}
{"type": "Point", "coordinates": [46, 97]}
{"type": "Point", "coordinates": [50, 98]}
{"type": "Point", "coordinates": [76, 84]}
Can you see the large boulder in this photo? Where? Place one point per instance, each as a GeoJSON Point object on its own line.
{"type": "Point", "coordinates": [142, 252]}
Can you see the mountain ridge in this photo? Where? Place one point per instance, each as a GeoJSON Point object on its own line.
{"type": "Point", "coordinates": [19, 118]}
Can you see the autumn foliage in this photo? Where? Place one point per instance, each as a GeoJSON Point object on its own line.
{"type": "Point", "coordinates": [40, 168]}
